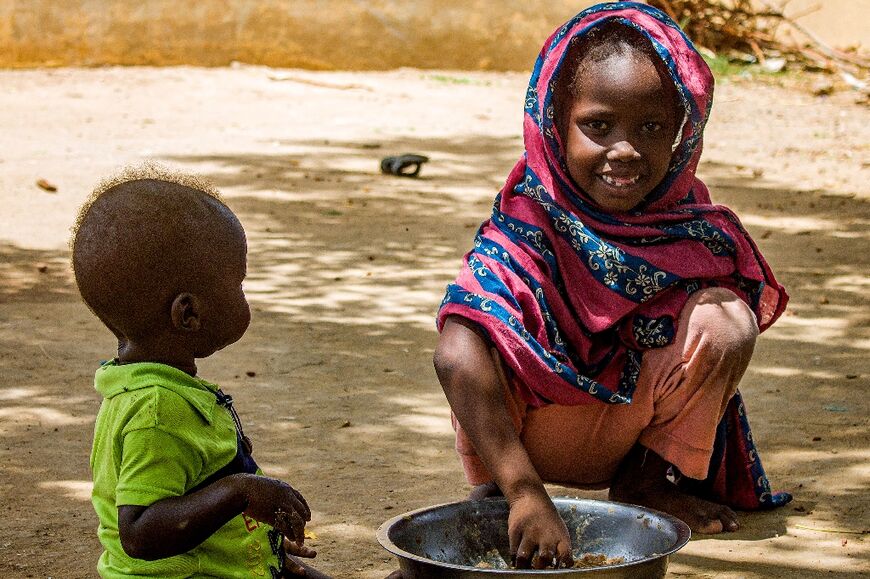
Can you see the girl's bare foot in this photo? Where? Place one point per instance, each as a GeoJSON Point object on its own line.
{"type": "Point", "coordinates": [642, 480]}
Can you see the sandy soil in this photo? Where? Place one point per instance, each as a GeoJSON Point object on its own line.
{"type": "Point", "coordinates": [347, 267]}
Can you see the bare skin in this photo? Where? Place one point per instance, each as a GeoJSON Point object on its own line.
{"type": "Point", "coordinates": [178, 524]}
{"type": "Point", "coordinates": [201, 263]}
{"type": "Point", "coordinates": [293, 567]}
{"type": "Point", "coordinates": [618, 134]}
{"type": "Point", "coordinates": [642, 480]}
{"type": "Point", "coordinates": [475, 387]}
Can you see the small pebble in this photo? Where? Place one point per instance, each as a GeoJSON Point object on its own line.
{"type": "Point", "coordinates": [46, 185]}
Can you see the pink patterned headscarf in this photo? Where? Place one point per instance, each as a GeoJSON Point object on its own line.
{"type": "Point", "coordinates": [572, 296]}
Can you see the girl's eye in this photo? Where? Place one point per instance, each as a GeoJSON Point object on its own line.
{"type": "Point", "coordinates": [598, 126]}
{"type": "Point", "coordinates": [652, 127]}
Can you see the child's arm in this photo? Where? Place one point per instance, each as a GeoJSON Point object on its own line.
{"type": "Point", "coordinates": [471, 381]}
{"type": "Point", "coordinates": [176, 525]}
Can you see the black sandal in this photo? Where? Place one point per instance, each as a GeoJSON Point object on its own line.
{"type": "Point", "coordinates": [403, 165]}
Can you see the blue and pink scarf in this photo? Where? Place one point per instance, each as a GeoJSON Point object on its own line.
{"type": "Point", "coordinates": [571, 296]}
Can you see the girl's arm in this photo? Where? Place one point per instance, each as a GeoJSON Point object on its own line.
{"type": "Point", "coordinates": [176, 525]}
{"type": "Point", "coordinates": [476, 393]}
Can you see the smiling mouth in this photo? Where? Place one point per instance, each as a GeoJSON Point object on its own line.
{"type": "Point", "coordinates": [619, 182]}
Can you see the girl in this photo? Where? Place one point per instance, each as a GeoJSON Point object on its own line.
{"type": "Point", "coordinates": [608, 309]}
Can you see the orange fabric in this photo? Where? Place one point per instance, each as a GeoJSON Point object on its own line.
{"type": "Point", "coordinates": [681, 394]}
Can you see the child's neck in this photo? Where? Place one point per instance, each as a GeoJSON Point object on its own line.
{"type": "Point", "coordinates": [162, 352]}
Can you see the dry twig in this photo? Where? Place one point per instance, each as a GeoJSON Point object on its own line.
{"type": "Point", "coordinates": [747, 29]}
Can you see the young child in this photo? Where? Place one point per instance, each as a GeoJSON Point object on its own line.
{"type": "Point", "coordinates": [160, 260]}
{"type": "Point", "coordinates": [608, 309]}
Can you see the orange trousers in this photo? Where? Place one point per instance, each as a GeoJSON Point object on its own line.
{"type": "Point", "coordinates": [681, 394]}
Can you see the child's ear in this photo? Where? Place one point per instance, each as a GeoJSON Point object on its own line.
{"type": "Point", "coordinates": [185, 312]}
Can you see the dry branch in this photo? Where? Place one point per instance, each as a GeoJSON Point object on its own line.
{"type": "Point", "coordinates": [747, 30]}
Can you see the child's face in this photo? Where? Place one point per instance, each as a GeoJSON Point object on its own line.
{"type": "Point", "coordinates": [226, 310]}
{"type": "Point", "coordinates": [619, 131]}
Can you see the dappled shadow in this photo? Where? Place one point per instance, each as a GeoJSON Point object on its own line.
{"type": "Point", "coordinates": [757, 566]}
{"type": "Point", "coordinates": [824, 337]}
{"type": "Point", "coordinates": [34, 275]}
{"type": "Point", "coordinates": [380, 251]}
{"type": "Point", "coordinates": [310, 169]}
{"type": "Point", "coordinates": [334, 380]}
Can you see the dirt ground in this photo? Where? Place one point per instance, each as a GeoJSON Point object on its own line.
{"type": "Point", "coordinates": [347, 267]}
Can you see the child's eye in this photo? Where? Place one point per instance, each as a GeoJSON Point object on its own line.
{"type": "Point", "coordinates": [652, 127]}
{"type": "Point", "coordinates": [598, 126]}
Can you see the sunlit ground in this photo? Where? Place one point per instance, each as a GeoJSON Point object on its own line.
{"type": "Point", "coordinates": [346, 270]}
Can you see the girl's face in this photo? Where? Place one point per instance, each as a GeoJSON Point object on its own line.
{"type": "Point", "coordinates": [620, 130]}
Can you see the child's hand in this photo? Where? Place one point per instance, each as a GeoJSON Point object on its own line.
{"type": "Point", "coordinates": [293, 567]}
{"type": "Point", "coordinates": [276, 503]}
{"type": "Point", "coordinates": [537, 533]}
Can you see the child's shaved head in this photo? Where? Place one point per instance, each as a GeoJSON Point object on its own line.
{"type": "Point", "coordinates": [142, 238]}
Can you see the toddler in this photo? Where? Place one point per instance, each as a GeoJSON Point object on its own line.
{"type": "Point", "coordinates": [160, 260]}
{"type": "Point", "coordinates": [607, 311]}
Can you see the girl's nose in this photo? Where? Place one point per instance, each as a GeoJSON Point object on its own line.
{"type": "Point", "coordinates": [622, 151]}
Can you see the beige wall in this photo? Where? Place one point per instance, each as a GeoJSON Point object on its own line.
{"type": "Point", "coordinates": [317, 34]}
{"type": "Point", "coordinates": [839, 23]}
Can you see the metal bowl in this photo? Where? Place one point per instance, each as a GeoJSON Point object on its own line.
{"type": "Point", "coordinates": [468, 539]}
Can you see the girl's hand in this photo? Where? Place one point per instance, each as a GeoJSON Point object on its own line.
{"type": "Point", "coordinates": [276, 503]}
{"type": "Point", "coordinates": [537, 534]}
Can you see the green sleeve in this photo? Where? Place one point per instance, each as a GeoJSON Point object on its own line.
{"type": "Point", "coordinates": [155, 465]}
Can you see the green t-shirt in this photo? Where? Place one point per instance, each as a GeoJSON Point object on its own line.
{"type": "Point", "coordinates": [160, 433]}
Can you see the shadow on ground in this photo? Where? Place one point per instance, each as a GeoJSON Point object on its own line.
{"type": "Point", "coordinates": [334, 379]}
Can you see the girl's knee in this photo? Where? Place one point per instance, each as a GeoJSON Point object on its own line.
{"type": "Point", "coordinates": [725, 320]}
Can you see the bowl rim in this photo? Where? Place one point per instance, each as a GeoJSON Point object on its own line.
{"type": "Point", "coordinates": [682, 529]}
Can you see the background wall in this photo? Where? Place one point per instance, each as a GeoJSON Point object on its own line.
{"type": "Point", "coordinates": [318, 34]}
